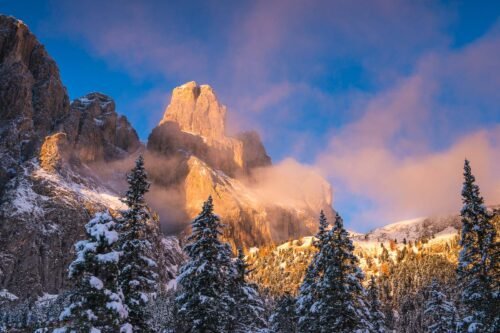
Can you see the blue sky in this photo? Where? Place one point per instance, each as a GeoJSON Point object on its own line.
{"type": "Point", "coordinates": [384, 98]}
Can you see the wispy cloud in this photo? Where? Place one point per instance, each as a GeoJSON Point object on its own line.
{"type": "Point", "coordinates": [388, 156]}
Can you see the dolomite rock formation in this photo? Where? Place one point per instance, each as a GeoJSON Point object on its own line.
{"type": "Point", "coordinates": [250, 220]}
{"type": "Point", "coordinates": [54, 152]}
{"type": "Point", "coordinates": [196, 109]}
{"type": "Point", "coordinates": [195, 121]}
{"type": "Point", "coordinates": [46, 198]}
{"type": "Point", "coordinates": [205, 161]}
{"type": "Point", "coordinates": [96, 132]}
{"type": "Point", "coordinates": [254, 153]}
{"type": "Point", "coordinates": [33, 101]}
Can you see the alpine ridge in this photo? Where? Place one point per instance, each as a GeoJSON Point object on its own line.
{"type": "Point", "coordinates": [61, 162]}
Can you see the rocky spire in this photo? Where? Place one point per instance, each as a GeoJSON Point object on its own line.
{"type": "Point", "coordinates": [197, 110]}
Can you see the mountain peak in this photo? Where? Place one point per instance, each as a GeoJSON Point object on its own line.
{"type": "Point", "coordinates": [197, 111]}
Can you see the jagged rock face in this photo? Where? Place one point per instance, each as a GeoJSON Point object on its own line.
{"type": "Point", "coordinates": [42, 218]}
{"type": "Point", "coordinates": [53, 152]}
{"type": "Point", "coordinates": [32, 98]}
{"type": "Point", "coordinates": [254, 153]}
{"type": "Point", "coordinates": [96, 132]}
{"type": "Point", "coordinates": [194, 122]}
{"type": "Point", "coordinates": [47, 192]}
{"type": "Point", "coordinates": [169, 140]}
{"type": "Point", "coordinates": [197, 110]}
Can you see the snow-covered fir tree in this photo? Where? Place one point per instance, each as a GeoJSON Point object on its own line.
{"type": "Point", "coordinates": [341, 297]}
{"type": "Point", "coordinates": [138, 276]}
{"type": "Point", "coordinates": [307, 318]}
{"type": "Point", "coordinates": [204, 302]}
{"type": "Point", "coordinates": [479, 252]}
{"type": "Point", "coordinates": [377, 317]}
{"type": "Point", "coordinates": [96, 303]}
{"type": "Point", "coordinates": [440, 314]}
{"type": "Point", "coordinates": [249, 310]}
{"type": "Point", "coordinates": [322, 229]}
{"type": "Point", "coordinates": [284, 319]}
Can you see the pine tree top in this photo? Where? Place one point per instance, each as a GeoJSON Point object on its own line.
{"type": "Point", "coordinates": [138, 183]}
{"type": "Point", "coordinates": [323, 227]}
{"type": "Point", "coordinates": [470, 190]}
{"type": "Point", "coordinates": [206, 224]}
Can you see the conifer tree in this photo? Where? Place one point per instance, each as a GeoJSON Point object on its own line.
{"type": "Point", "coordinates": [283, 319]}
{"type": "Point", "coordinates": [96, 303]}
{"type": "Point", "coordinates": [322, 230]}
{"type": "Point", "coordinates": [341, 296]}
{"type": "Point", "coordinates": [440, 314]}
{"type": "Point", "coordinates": [377, 318]}
{"type": "Point", "coordinates": [204, 302]}
{"type": "Point", "coordinates": [138, 276]}
{"type": "Point", "coordinates": [479, 251]}
{"type": "Point", "coordinates": [249, 306]}
{"type": "Point", "coordinates": [308, 319]}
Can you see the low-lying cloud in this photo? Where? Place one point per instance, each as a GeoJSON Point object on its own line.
{"type": "Point", "coordinates": [290, 183]}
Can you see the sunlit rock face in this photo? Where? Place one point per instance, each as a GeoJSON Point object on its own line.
{"type": "Point", "coordinates": [195, 121]}
{"type": "Point", "coordinates": [196, 110]}
{"type": "Point", "coordinates": [54, 152]}
{"type": "Point", "coordinates": [208, 162]}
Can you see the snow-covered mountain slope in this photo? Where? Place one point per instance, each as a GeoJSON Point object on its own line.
{"type": "Point", "coordinates": [413, 229]}
{"type": "Point", "coordinates": [41, 218]}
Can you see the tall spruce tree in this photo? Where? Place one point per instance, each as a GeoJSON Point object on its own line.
{"type": "Point", "coordinates": [250, 312]}
{"type": "Point", "coordinates": [96, 303]}
{"type": "Point", "coordinates": [377, 317]}
{"type": "Point", "coordinates": [138, 277]}
{"type": "Point", "coordinates": [341, 296]}
{"type": "Point", "coordinates": [284, 319]}
{"type": "Point", "coordinates": [440, 314]}
{"type": "Point", "coordinates": [307, 319]}
{"type": "Point", "coordinates": [204, 302]}
{"type": "Point", "coordinates": [480, 296]}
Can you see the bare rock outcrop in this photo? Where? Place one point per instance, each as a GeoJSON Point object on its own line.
{"type": "Point", "coordinates": [197, 110]}
{"type": "Point", "coordinates": [205, 161]}
{"type": "Point", "coordinates": [96, 132]}
{"type": "Point", "coordinates": [195, 123]}
{"type": "Point", "coordinates": [254, 152]}
{"type": "Point", "coordinates": [33, 100]}
{"type": "Point", "coordinates": [49, 190]}
{"type": "Point", "coordinates": [54, 152]}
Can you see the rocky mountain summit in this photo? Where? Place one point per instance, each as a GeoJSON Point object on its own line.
{"type": "Point", "coordinates": [209, 162]}
{"type": "Point", "coordinates": [195, 122]}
